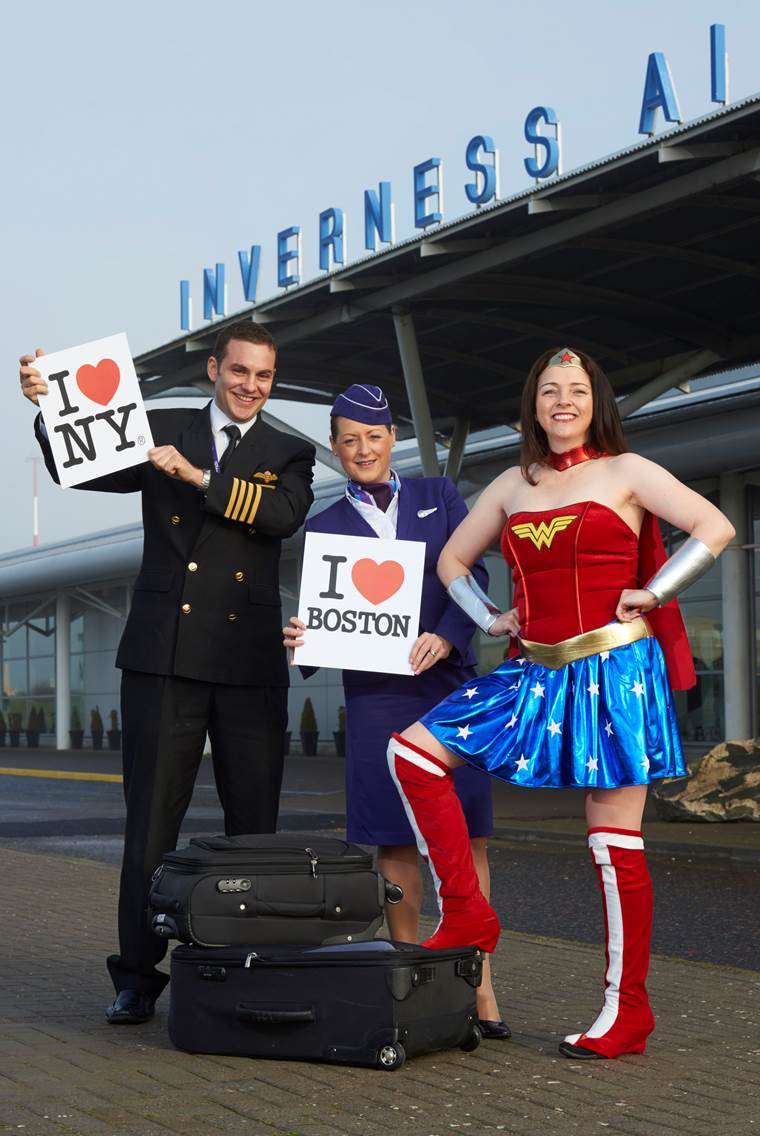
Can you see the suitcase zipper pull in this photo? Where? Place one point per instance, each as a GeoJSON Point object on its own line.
{"type": "Point", "coordinates": [248, 957]}
{"type": "Point", "coordinates": [314, 861]}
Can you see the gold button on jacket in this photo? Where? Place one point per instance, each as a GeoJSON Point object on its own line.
{"type": "Point", "coordinates": [232, 617]}
{"type": "Point", "coordinates": [192, 566]}
{"type": "Point", "coordinates": [240, 576]}
{"type": "Point", "coordinates": [187, 608]}
{"type": "Point", "coordinates": [175, 520]}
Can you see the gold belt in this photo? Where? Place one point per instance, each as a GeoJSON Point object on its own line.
{"type": "Point", "coordinates": [556, 655]}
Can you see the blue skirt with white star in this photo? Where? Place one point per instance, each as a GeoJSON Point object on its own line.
{"type": "Point", "coordinates": [600, 722]}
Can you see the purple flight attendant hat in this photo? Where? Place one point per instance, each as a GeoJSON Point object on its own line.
{"type": "Point", "coordinates": [363, 403]}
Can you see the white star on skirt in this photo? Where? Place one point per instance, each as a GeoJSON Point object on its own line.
{"type": "Point", "coordinates": [638, 688]}
{"type": "Point", "coordinates": [471, 692]}
{"type": "Point", "coordinates": [464, 732]}
{"type": "Point", "coordinates": [593, 688]}
{"type": "Point", "coordinates": [512, 722]}
{"type": "Point", "coordinates": [523, 763]}
{"type": "Point", "coordinates": [608, 729]}
{"type": "Point", "coordinates": [592, 764]}
{"type": "Point", "coordinates": [537, 691]}
{"type": "Point", "coordinates": [554, 728]}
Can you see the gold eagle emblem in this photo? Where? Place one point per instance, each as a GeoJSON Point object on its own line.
{"type": "Point", "coordinates": [267, 476]}
{"type": "Point", "coordinates": [543, 534]}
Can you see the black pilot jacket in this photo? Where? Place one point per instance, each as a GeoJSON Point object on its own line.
{"type": "Point", "coordinates": [206, 602]}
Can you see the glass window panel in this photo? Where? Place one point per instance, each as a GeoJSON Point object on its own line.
{"type": "Point", "coordinates": [42, 635]}
{"type": "Point", "coordinates": [77, 632]}
{"type": "Point", "coordinates": [14, 677]}
{"type": "Point", "coordinates": [15, 644]}
{"type": "Point", "coordinates": [700, 710]}
{"type": "Point", "coordinates": [704, 625]}
{"type": "Point", "coordinates": [77, 674]}
{"type": "Point", "coordinates": [41, 676]}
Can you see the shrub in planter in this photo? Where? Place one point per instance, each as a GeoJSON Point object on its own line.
{"type": "Point", "coordinates": [96, 728]}
{"type": "Point", "coordinates": [33, 728]}
{"type": "Point", "coordinates": [3, 728]}
{"type": "Point", "coordinates": [340, 734]}
{"type": "Point", "coordinates": [309, 733]}
{"type": "Point", "coordinates": [114, 734]}
{"type": "Point", "coordinates": [76, 733]}
{"type": "Point", "coordinates": [14, 728]}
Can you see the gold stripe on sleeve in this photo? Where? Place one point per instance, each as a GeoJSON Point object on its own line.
{"type": "Point", "coordinates": [233, 495]}
{"type": "Point", "coordinates": [255, 505]}
{"type": "Point", "coordinates": [241, 508]}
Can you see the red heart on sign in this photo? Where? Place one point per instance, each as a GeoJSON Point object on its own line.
{"type": "Point", "coordinates": [99, 383]}
{"type": "Point", "coordinates": [377, 582]}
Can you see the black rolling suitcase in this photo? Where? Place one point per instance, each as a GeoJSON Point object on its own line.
{"type": "Point", "coordinates": [373, 1004]}
{"type": "Point", "coordinates": [281, 888]}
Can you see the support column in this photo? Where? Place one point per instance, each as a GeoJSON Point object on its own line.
{"type": "Point", "coordinates": [737, 616]}
{"type": "Point", "coordinates": [456, 449]}
{"type": "Point", "coordinates": [415, 392]}
{"type": "Point", "coordinates": [62, 670]}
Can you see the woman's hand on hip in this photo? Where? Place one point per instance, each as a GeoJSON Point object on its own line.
{"type": "Point", "coordinates": [634, 602]}
{"type": "Point", "coordinates": [508, 623]}
{"type": "Point", "coordinates": [428, 649]}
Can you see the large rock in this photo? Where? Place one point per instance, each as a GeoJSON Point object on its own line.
{"type": "Point", "coordinates": [723, 785]}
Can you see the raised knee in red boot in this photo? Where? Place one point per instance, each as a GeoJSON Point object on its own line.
{"type": "Point", "coordinates": [626, 1018]}
{"type": "Point", "coordinates": [426, 787]}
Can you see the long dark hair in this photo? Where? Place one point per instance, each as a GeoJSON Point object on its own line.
{"type": "Point", "coordinates": [605, 433]}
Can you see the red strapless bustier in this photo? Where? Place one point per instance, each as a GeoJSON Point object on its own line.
{"type": "Point", "coordinates": [569, 566]}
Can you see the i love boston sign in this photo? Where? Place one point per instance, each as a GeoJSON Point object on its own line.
{"type": "Point", "coordinates": [93, 412]}
{"type": "Point", "coordinates": [360, 600]}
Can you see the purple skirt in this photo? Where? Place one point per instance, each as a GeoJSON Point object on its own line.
{"type": "Point", "coordinates": [374, 813]}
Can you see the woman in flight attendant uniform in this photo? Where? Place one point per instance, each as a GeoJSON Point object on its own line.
{"type": "Point", "coordinates": [377, 502]}
{"type": "Point", "coordinates": [584, 698]}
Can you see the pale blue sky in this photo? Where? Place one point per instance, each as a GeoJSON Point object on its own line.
{"type": "Point", "coordinates": [145, 142]}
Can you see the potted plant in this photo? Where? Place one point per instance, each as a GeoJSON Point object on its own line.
{"type": "Point", "coordinates": [114, 734]}
{"type": "Point", "coordinates": [3, 728]}
{"type": "Point", "coordinates": [340, 734]}
{"type": "Point", "coordinates": [42, 725]}
{"type": "Point", "coordinates": [96, 728]}
{"type": "Point", "coordinates": [309, 734]}
{"type": "Point", "coordinates": [33, 728]}
{"type": "Point", "coordinates": [14, 728]}
{"type": "Point", "coordinates": [76, 733]}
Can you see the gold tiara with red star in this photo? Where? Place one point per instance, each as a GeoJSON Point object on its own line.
{"type": "Point", "coordinates": [566, 358]}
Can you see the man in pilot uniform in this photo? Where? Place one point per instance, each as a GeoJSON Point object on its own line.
{"type": "Point", "coordinates": [202, 649]}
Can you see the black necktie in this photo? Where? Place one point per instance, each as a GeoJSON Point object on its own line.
{"type": "Point", "coordinates": [233, 433]}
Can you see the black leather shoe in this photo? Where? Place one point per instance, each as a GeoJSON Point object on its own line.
{"type": "Point", "coordinates": [130, 1008]}
{"type": "Point", "coordinates": [494, 1031]}
{"type": "Point", "coordinates": [579, 1052]}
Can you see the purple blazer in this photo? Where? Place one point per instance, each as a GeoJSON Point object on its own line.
{"type": "Point", "coordinates": [443, 508]}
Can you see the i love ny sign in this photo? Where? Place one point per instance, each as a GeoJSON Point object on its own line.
{"type": "Point", "coordinates": [93, 412]}
{"type": "Point", "coordinates": [360, 600]}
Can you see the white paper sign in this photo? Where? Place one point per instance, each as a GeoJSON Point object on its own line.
{"type": "Point", "coordinates": [360, 600]}
{"type": "Point", "coordinates": [93, 412]}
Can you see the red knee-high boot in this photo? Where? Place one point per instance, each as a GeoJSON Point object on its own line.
{"type": "Point", "coordinates": [626, 1018]}
{"type": "Point", "coordinates": [426, 787]}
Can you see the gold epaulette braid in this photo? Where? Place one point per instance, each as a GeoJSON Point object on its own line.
{"type": "Point", "coordinates": [244, 500]}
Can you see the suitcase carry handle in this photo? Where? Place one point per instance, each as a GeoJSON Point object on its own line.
{"type": "Point", "coordinates": [255, 1015]}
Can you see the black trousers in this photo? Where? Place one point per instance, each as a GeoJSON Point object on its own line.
{"type": "Point", "coordinates": [165, 721]}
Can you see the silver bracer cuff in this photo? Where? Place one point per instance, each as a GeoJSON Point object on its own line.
{"type": "Point", "coordinates": [468, 594]}
{"type": "Point", "coordinates": [682, 569]}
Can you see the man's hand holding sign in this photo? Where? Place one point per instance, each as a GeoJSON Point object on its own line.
{"type": "Point", "coordinates": [360, 604]}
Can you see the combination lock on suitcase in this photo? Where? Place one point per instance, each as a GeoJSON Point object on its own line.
{"type": "Point", "coordinates": [280, 888]}
{"type": "Point", "coordinates": [372, 1004]}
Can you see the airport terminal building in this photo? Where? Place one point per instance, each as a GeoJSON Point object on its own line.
{"type": "Point", "coordinates": [644, 259]}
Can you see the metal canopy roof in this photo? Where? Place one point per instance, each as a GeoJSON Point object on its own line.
{"type": "Point", "coordinates": [646, 259]}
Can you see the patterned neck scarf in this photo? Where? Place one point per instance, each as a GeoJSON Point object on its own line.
{"type": "Point", "coordinates": [380, 493]}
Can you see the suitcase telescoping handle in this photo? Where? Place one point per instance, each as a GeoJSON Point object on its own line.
{"type": "Point", "coordinates": [249, 1012]}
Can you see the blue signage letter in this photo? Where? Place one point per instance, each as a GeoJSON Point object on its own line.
{"type": "Point", "coordinates": [718, 64]}
{"type": "Point", "coordinates": [185, 306]}
{"type": "Point", "coordinates": [214, 292]}
{"type": "Point", "coordinates": [422, 191]}
{"type": "Point", "coordinates": [249, 270]}
{"type": "Point", "coordinates": [378, 216]}
{"type": "Point", "coordinates": [658, 92]}
{"type": "Point", "coordinates": [332, 238]}
{"type": "Point", "coordinates": [533, 134]}
{"type": "Point", "coordinates": [285, 254]}
{"type": "Point", "coordinates": [486, 184]}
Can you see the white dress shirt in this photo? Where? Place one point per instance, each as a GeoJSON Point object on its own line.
{"type": "Point", "coordinates": [218, 422]}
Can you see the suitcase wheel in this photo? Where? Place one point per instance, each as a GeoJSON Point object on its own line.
{"type": "Point", "coordinates": [393, 1056]}
{"type": "Point", "coordinates": [473, 1041]}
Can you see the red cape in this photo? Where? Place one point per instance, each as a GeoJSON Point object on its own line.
{"type": "Point", "coordinates": [666, 621]}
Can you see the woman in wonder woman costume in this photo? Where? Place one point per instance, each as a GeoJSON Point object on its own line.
{"type": "Point", "coordinates": [584, 699]}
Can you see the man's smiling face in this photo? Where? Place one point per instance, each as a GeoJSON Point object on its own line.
{"type": "Point", "coordinates": [243, 378]}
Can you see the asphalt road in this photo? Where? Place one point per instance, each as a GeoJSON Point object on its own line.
{"type": "Point", "coordinates": [705, 910]}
